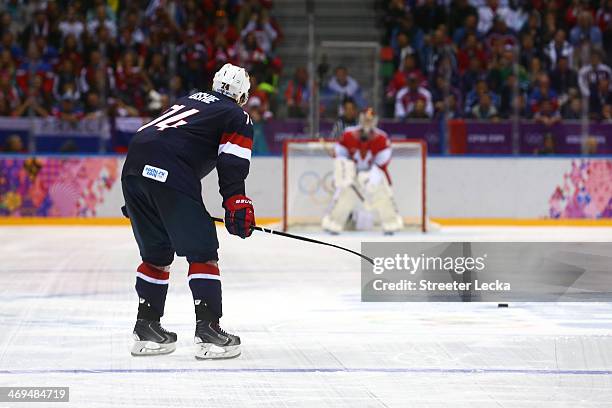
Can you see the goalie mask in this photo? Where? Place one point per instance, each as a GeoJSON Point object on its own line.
{"type": "Point", "coordinates": [234, 82]}
{"type": "Point", "coordinates": [368, 120]}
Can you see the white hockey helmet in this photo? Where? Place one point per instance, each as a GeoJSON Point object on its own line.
{"type": "Point", "coordinates": [232, 81]}
{"type": "Point", "coordinates": [368, 119]}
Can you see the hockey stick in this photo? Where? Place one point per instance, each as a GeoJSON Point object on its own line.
{"type": "Point", "coordinates": [301, 238]}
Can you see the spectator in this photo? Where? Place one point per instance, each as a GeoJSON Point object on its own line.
{"type": "Point", "coordinates": [430, 15]}
{"type": "Point", "coordinates": [600, 96]}
{"type": "Point", "coordinates": [14, 144]}
{"type": "Point", "coordinates": [119, 109]}
{"type": "Point", "coordinates": [9, 92]}
{"type": "Point", "coordinates": [462, 16]}
{"type": "Point", "coordinates": [402, 49]}
{"type": "Point", "coordinates": [475, 95]}
{"type": "Point", "coordinates": [472, 49]}
{"type": "Point", "coordinates": [440, 92]}
{"type": "Point", "coordinates": [408, 96]}
{"type": "Point", "coordinates": [573, 11]}
{"type": "Point", "coordinates": [252, 57]}
{"type": "Point", "coordinates": [222, 27]}
{"type": "Point", "coordinates": [5, 107]}
{"type": "Point", "coordinates": [536, 69]}
{"type": "Point", "coordinates": [68, 110]}
{"type": "Point", "coordinates": [452, 108]}
{"type": "Point", "coordinates": [158, 72]}
{"type": "Point", "coordinates": [558, 48]}
{"type": "Point", "coordinates": [105, 41]}
{"type": "Point", "coordinates": [343, 86]}
{"type": "Point", "coordinates": [585, 32]}
{"type": "Point", "coordinates": [132, 21]}
{"type": "Point", "coordinates": [484, 109]}
{"type": "Point", "coordinates": [572, 110]}
{"type": "Point", "coordinates": [433, 53]}
{"type": "Point", "coordinates": [548, 113]}
{"type": "Point", "coordinates": [469, 27]}
{"type": "Point", "coordinates": [407, 26]}
{"type": "Point", "coordinates": [70, 51]}
{"type": "Point", "coordinates": [474, 74]}
{"type": "Point", "coordinates": [606, 114]}
{"type": "Point", "coordinates": [96, 76]}
{"type": "Point", "coordinates": [349, 117]}
{"type": "Point", "coordinates": [34, 64]}
{"type": "Point", "coordinates": [297, 94]}
{"type": "Point", "coordinates": [9, 45]}
{"type": "Point", "coordinates": [65, 80]}
{"type": "Point", "coordinates": [93, 109]}
{"type": "Point", "coordinates": [400, 78]}
{"type": "Point", "coordinates": [589, 75]}
{"type": "Point", "coordinates": [36, 101]}
{"type": "Point", "coordinates": [528, 50]}
{"type": "Point", "coordinates": [395, 13]}
{"type": "Point", "coordinates": [549, 29]}
{"type": "Point", "coordinates": [8, 25]}
{"type": "Point", "coordinates": [543, 93]}
{"type": "Point", "coordinates": [102, 20]}
{"type": "Point", "coordinates": [491, 11]}
{"type": "Point", "coordinates": [264, 32]}
{"type": "Point", "coordinates": [40, 27]}
{"type": "Point", "coordinates": [564, 79]}
{"type": "Point", "coordinates": [192, 56]}
{"type": "Point", "coordinates": [71, 25]}
{"type": "Point", "coordinates": [603, 17]}
{"type": "Point", "coordinates": [222, 52]}
{"type": "Point", "coordinates": [130, 81]}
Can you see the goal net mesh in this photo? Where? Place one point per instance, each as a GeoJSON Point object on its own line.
{"type": "Point", "coordinates": [309, 182]}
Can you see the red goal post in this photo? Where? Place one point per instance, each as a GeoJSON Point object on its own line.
{"type": "Point", "coordinates": [308, 181]}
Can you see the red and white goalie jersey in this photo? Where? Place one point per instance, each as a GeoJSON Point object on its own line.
{"type": "Point", "coordinates": [362, 181]}
{"type": "Point", "coordinates": [365, 149]}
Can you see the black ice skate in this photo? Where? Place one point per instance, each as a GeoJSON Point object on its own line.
{"type": "Point", "coordinates": [212, 342]}
{"type": "Point", "coordinates": [150, 339]}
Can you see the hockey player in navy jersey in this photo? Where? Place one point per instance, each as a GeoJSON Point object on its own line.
{"type": "Point", "coordinates": [166, 160]}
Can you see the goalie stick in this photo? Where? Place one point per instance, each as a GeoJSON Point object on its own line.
{"type": "Point", "coordinates": [301, 238]}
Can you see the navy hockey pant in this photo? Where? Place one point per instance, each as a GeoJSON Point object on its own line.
{"type": "Point", "coordinates": [166, 221]}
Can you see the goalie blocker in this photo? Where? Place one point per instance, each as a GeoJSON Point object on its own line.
{"type": "Point", "coordinates": [360, 176]}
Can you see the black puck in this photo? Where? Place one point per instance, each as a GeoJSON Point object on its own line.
{"type": "Point", "coordinates": [502, 305]}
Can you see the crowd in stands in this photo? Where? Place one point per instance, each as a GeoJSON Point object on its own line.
{"type": "Point", "coordinates": [496, 59]}
{"type": "Point", "coordinates": [93, 58]}
{"type": "Point", "coordinates": [541, 60]}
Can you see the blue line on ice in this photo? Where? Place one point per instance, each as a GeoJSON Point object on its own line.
{"type": "Point", "coordinates": [406, 370]}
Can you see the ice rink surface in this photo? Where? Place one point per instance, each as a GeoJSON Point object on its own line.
{"type": "Point", "coordinates": [67, 308]}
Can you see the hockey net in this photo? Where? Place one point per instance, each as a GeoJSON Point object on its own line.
{"type": "Point", "coordinates": [308, 180]}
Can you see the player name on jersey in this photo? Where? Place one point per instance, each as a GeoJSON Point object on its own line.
{"type": "Point", "coordinates": [204, 97]}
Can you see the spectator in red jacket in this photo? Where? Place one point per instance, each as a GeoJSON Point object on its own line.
{"type": "Point", "coordinates": [222, 26]}
{"type": "Point", "coordinates": [472, 49]}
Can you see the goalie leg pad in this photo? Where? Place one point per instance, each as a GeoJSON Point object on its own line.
{"type": "Point", "coordinates": [380, 199]}
{"type": "Point", "coordinates": [344, 172]}
{"type": "Point", "coordinates": [345, 202]}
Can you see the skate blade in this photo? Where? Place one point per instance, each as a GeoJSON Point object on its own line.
{"type": "Point", "coordinates": [209, 351]}
{"type": "Point", "coordinates": [150, 348]}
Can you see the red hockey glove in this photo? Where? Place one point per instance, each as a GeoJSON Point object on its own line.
{"type": "Point", "coordinates": [239, 216]}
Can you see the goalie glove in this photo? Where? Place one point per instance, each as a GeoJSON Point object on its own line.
{"type": "Point", "coordinates": [239, 216]}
